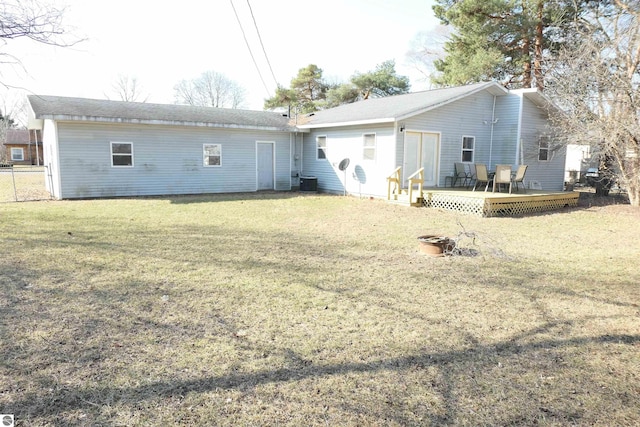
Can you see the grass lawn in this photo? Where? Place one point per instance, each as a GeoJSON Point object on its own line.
{"type": "Point", "coordinates": [23, 183]}
{"type": "Point", "coordinates": [315, 310]}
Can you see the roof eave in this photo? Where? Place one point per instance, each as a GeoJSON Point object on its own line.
{"type": "Point", "coordinates": [352, 123]}
{"type": "Point", "coordinates": [94, 119]}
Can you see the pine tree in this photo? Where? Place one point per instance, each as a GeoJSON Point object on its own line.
{"type": "Point", "coordinates": [512, 41]}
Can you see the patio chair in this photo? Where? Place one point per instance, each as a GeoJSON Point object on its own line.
{"type": "Point", "coordinates": [471, 174]}
{"type": "Point", "coordinates": [519, 177]}
{"type": "Point", "coordinates": [461, 174]}
{"type": "Point", "coordinates": [502, 176]}
{"type": "Point", "coordinates": [482, 176]}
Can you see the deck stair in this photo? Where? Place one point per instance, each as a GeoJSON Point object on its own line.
{"type": "Point", "coordinates": [411, 194]}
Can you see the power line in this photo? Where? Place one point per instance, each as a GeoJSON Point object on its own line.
{"type": "Point", "coordinates": [255, 24]}
{"type": "Point", "coordinates": [249, 47]}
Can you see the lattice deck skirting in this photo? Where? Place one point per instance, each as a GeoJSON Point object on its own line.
{"type": "Point", "coordinates": [498, 204]}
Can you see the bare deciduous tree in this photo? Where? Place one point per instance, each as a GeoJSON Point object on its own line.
{"type": "Point", "coordinates": [598, 86]}
{"type": "Point", "coordinates": [426, 48]}
{"type": "Point", "coordinates": [35, 20]}
{"type": "Point", "coordinates": [129, 90]}
{"type": "Point", "coordinates": [210, 89]}
{"type": "Point", "coordinates": [12, 115]}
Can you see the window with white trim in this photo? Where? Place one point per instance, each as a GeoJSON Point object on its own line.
{"type": "Point", "coordinates": [369, 146]}
{"type": "Point", "coordinates": [468, 147]}
{"type": "Point", "coordinates": [17, 154]}
{"type": "Point", "coordinates": [122, 154]}
{"type": "Point", "coordinates": [543, 149]}
{"type": "Point", "coordinates": [212, 155]}
{"type": "Point", "coordinates": [321, 147]}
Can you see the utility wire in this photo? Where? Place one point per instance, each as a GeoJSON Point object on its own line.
{"type": "Point", "coordinates": [255, 24]}
{"type": "Point", "coordinates": [249, 47]}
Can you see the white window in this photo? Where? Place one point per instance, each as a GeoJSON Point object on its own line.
{"type": "Point", "coordinates": [17, 154]}
{"type": "Point", "coordinates": [122, 154]}
{"type": "Point", "coordinates": [468, 146]}
{"type": "Point", "coordinates": [369, 146]}
{"type": "Point", "coordinates": [212, 154]}
{"type": "Point", "coordinates": [543, 149]}
{"type": "Point", "coordinates": [321, 147]}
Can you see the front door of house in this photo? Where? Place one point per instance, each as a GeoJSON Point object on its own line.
{"type": "Point", "coordinates": [264, 164]}
{"type": "Point", "coordinates": [421, 151]}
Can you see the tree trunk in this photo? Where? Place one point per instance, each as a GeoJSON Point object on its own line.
{"type": "Point", "coordinates": [526, 72]}
{"type": "Point", "coordinates": [537, 62]}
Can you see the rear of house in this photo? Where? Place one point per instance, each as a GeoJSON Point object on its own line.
{"type": "Point", "coordinates": [95, 148]}
{"type": "Point", "coordinates": [481, 123]}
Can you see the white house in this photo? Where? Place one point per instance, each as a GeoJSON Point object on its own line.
{"type": "Point", "coordinates": [97, 148]}
{"type": "Point", "coordinates": [479, 123]}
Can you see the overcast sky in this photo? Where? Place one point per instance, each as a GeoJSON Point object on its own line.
{"type": "Point", "coordinates": [161, 43]}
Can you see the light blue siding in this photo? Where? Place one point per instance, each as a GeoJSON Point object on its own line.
{"type": "Point", "coordinates": [505, 131]}
{"type": "Point", "coordinates": [363, 176]}
{"type": "Point", "coordinates": [550, 174]}
{"type": "Point", "coordinates": [167, 160]}
{"type": "Point", "coordinates": [499, 125]}
{"type": "Point", "coordinates": [470, 116]}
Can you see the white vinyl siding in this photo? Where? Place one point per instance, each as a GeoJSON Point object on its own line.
{"type": "Point", "coordinates": [362, 177]}
{"type": "Point", "coordinates": [168, 160]}
{"type": "Point", "coordinates": [321, 147]}
{"type": "Point", "coordinates": [121, 154]}
{"type": "Point", "coordinates": [468, 148]}
{"type": "Point", "coordinates": [212, 155]}
{"type": "Point", "coordinates": [466, 117]}
{"type": "Point", "coordinates": [535, 128]}
{"type": "Point", "coordinates": [369, 146]}
{"type": "Point", "coordinates": [17, 154]}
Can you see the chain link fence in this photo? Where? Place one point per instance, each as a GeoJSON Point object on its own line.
{"type": "Point", "coordinates": [22, 183]}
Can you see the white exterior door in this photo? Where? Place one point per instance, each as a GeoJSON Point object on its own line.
{"type": "Point", "coordinates": [264, 162]}
{"type": "Point", "coordinates": [412, 155]}
{"type": "Point", "coordinates": [421, 151]}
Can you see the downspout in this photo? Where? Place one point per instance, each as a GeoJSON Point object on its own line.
{"type": "Point", "coordinates": [519, 140]}
{"type": "Point", "coordinates": [301, 152]}
{"type": "Point", "coordinates": [493, 122]}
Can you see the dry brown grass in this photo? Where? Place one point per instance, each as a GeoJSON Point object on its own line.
{"type": "Point", "coordinates": [22, 183]}
{"type": "Point", "coordinates": [282, 309]}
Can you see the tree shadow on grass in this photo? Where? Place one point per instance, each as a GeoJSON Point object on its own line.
{"type": "Point", "coordinates": [314, 258]}
{"type": "Point", "coordinates": [69, 398]}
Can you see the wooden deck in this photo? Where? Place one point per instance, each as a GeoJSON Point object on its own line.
{"type": "Point", "coordinates": [489, 204]}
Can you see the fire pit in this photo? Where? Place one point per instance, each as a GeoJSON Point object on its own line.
{"type": "Point", "coordinates": [436, 245]}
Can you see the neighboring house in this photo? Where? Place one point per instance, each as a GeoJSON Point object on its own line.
{"type": "Point", "coordinates": [23, 147]}
{"type": "Point", "coordinates": [579, 159]}
{"type": "Point", "coordinates": [97, 148]}
{"type": "Point", "coordinates": [479, 123]}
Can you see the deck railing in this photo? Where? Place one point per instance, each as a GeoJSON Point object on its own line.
{"type": "Point", "coordinates": [415, 185]}
{"type": "Point", "coordinates": [396, 180]}
{"type": "Point", "coordinates": [417, 178]}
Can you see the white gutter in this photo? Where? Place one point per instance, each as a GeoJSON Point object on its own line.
{"type": "Point", "coordinates": [94, 119]}
{"type": "Point", "coordinates": [353, 123]}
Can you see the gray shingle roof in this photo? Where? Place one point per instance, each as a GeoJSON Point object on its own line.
{"type": "Point", "coordinates": [394, 108]}
{"type": "Point", "coordinates": [81, 109]}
